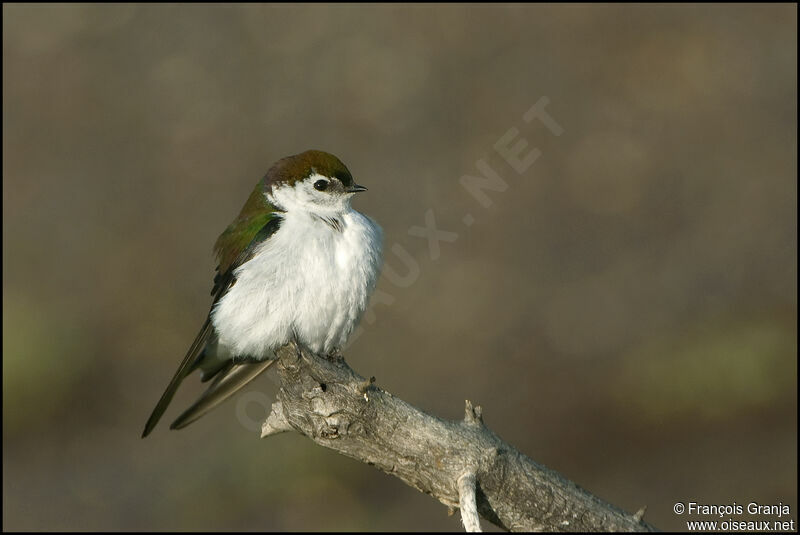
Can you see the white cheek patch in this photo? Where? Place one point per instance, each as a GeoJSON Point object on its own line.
{"type": "Point", "coordinates": [304, 197]}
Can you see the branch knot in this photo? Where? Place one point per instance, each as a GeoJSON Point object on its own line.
{"type": "Point", "coordinates": [473, 415]}
{"type": "Point", "coordinates": [365, 386]}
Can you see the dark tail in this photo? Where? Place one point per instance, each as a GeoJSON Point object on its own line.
{"type": "Point", "coordinates": [226, 383]}
{"type": "Point", "coordinates": [194, 353]}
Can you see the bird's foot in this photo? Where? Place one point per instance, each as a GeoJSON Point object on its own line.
{"type": "Point", "coordinates": [335, 355]}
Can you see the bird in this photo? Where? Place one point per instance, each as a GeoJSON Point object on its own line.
{"type": "Point", "coordinates": [298, 263]}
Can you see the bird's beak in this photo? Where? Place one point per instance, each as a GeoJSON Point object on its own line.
{"type": "Point", "coordinates": [355, 188]}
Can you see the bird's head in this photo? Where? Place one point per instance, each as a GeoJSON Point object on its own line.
{"type": "Point", "coordinates": [312, 181]}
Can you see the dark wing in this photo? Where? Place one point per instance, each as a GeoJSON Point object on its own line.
{"type": "Point", "coordinates": [228, 378]}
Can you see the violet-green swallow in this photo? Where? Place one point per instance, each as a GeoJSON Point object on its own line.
{"type": "Point", "coordinates": [298, 262]}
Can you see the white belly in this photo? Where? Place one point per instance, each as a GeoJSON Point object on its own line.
{"type": "Point", "coordinates": [308, 279]}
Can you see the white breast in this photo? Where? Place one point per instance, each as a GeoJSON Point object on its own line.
{"type": "Point", "coordinates": [309, 279]}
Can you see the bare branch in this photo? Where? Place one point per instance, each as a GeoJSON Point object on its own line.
{"type": "Point", "coordinates": [467, 503]}
{"type": "Point", "coordinates": [276, 422]}
{"type": "Point", "coordinates": [461, 464]}
{"type": "Point", "coordinates": [639, 515]}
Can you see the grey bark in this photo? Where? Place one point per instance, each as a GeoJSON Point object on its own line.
{"type": "Point", "coordinates": [325, 400]}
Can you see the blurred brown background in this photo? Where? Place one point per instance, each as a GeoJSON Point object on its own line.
{"type": "Point", "coordinates": [625, 312]}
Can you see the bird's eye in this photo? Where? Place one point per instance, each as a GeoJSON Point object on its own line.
{"type": "Point", "coordinates": [321, 185]}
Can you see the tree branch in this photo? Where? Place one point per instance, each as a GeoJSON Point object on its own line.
{"type": "Point", "coordinates": [461, 464]}
{"type": "Point", "coordinates": [467, 502]}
